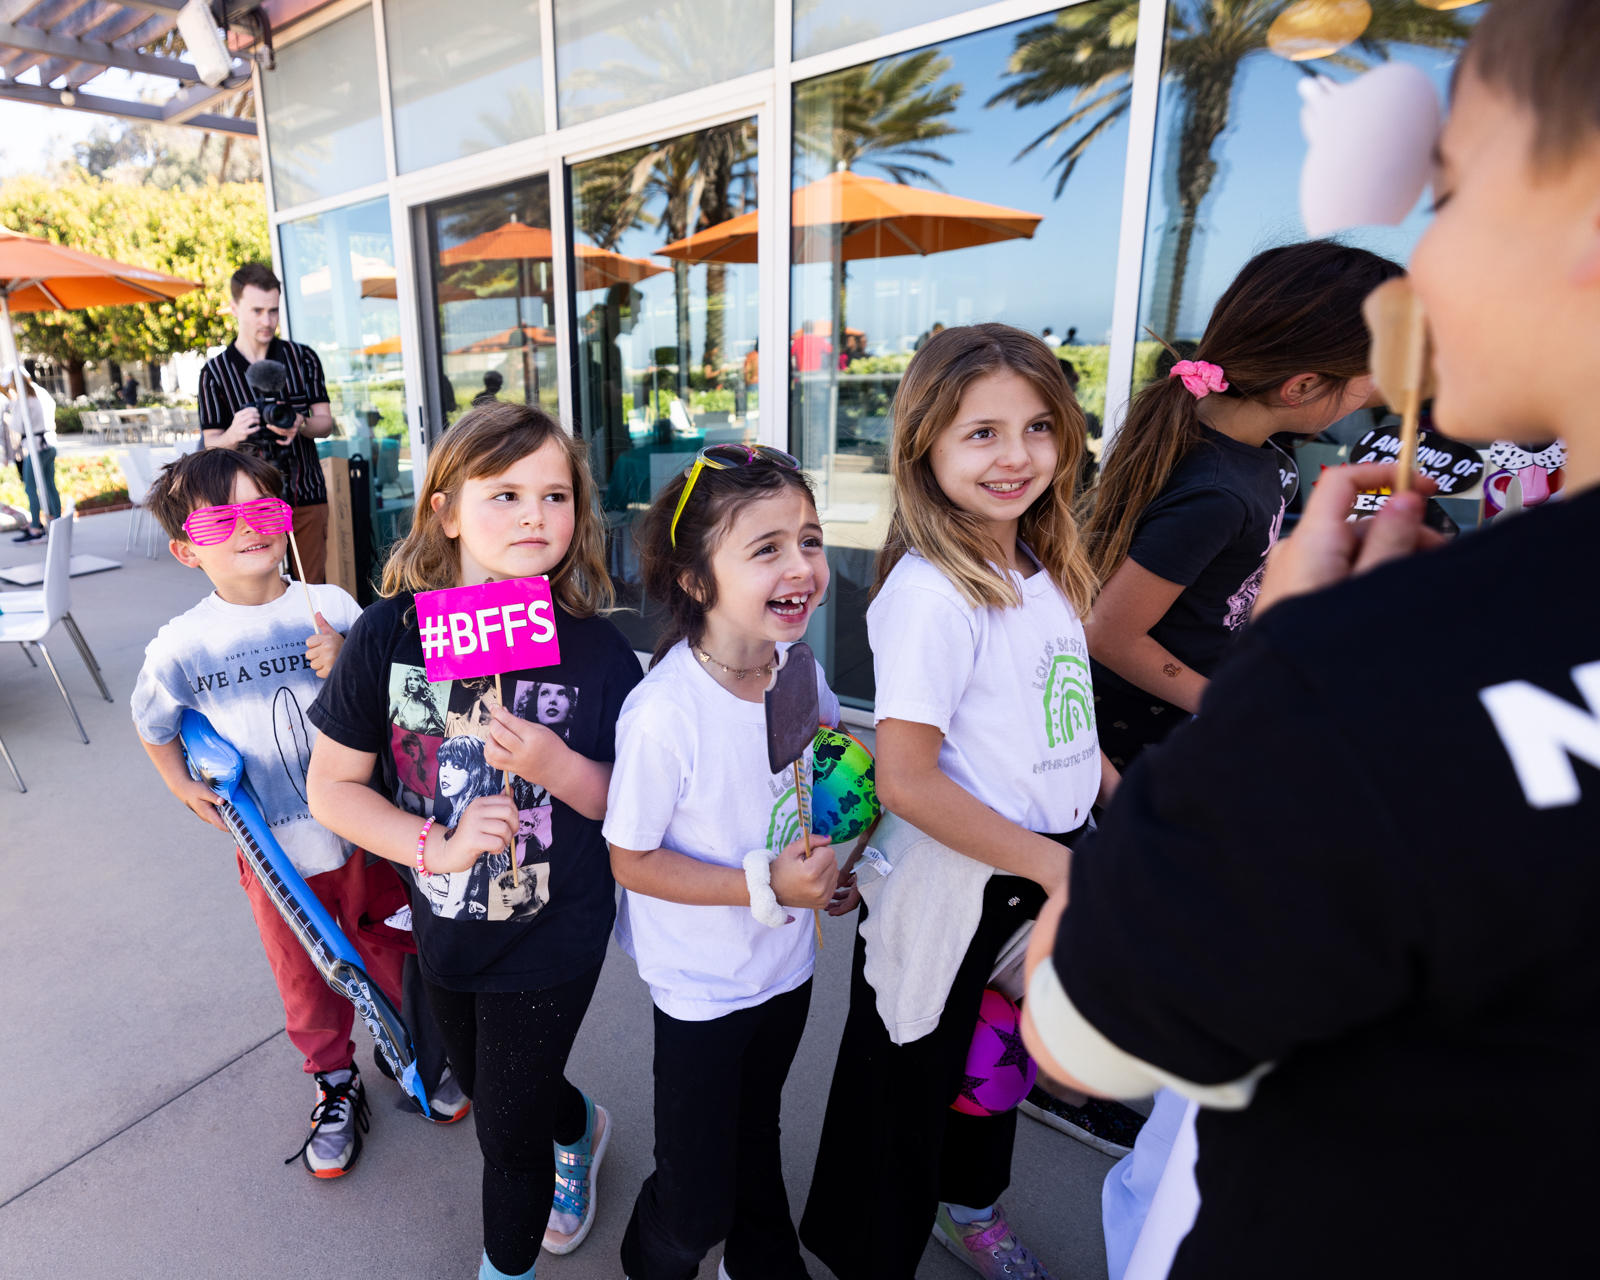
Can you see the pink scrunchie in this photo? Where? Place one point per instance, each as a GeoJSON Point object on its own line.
{"type": "Point", "coordinates": [1200, 376]}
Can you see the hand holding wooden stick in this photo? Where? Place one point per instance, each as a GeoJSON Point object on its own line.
{"type": "Point", "coordinates": [299, 564]}
{"type": "Point", "coordinates": [1399, 362]}
{"type": "Point", "coordinates": [805, 837]}
{"type": "Point", "coordinates": [498, 697]}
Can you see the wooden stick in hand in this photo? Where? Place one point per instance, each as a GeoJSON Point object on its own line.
{"type": "Point", "coordinates": [499, 697]}
{"type": "Point", "coordinates": [805, 836]}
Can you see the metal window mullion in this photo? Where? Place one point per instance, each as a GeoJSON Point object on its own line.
{"type": "Point", "coordinates": [380, 40]}
{"type": "Point", "coordinates": [1136, 179]}
{"type": "Point", "coordinates": [547, 60]}
{"type": "Point", "coordinates": [774, 178]}
{"type": "Point", "coordinates": [565, 302]}
{"type": "Point", "coordinates": [412, 355]}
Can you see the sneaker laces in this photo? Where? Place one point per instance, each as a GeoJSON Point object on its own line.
{"type": "Point", "coordinates": [1002, 1245]}
{"type": "Point", "coordinates": [337, 1103]}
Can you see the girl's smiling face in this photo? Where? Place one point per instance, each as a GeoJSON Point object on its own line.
{"type": "Point", "coordinates": [514, 525]}
{"type": "Point", "coordinates": [771, 572]}
{"type": "Point", "coordinates": [452, 778]}
{"type": "Point", "coordinates": [998, 457]}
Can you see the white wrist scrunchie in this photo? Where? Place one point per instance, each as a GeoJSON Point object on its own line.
{"type": "Point", "coordinates": [763, 902]}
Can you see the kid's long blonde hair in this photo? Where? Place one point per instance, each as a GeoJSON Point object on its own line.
{"type": "Point", "coordinates": [927, 522]}
{"type": "Point", "coordinates": [488, 441]}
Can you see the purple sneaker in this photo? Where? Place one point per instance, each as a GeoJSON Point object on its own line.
{"type": "Point", "coordinates": [988, 1247]}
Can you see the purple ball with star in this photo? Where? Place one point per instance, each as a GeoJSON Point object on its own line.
{"type": "Point", "coordinates": [999, 1071]}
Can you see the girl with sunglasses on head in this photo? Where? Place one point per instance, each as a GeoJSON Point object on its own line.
{"type": "Point", "coordinates": [705, 842]}
{"type": "Point", "coordinates": [988, 764]}
{"type": "Point", "coordinates": [507, 495]}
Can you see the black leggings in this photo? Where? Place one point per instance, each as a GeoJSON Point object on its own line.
{"type": "Point", "coordinates": [890, 1140]}
{"type": "Point", "coordinates": [509, 1052]}
{"type": "Point", "coordinates": [719, 1171]}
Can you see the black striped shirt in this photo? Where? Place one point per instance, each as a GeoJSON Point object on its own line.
{"type": "Point", "coordinates": [223, 392]}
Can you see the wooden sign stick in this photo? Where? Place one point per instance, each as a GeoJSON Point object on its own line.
{"type": "Point", "coordinates": [1399, 362]}
{"type": "Point", "coordinates": [300, 565]}
{"type": "Point", "coordinates": [498, 697]}
{"type": "Point", "coordinates": [805, 835]}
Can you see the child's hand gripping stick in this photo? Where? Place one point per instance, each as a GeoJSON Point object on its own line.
{"type": "Point", "coordinates": [792, 717]}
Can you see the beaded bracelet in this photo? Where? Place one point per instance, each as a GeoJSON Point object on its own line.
{"type": "Point", "coordinates": [422, 845]}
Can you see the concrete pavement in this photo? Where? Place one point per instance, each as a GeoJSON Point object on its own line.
{"type": "Point", "coordinates": [153, 1096]}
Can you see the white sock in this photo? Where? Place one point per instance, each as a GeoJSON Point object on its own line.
{"type": "Point", "coordinates": [966, 1217]}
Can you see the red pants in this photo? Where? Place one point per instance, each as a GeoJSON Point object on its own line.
{"type": "Point", "coordinates": [317, 1018]}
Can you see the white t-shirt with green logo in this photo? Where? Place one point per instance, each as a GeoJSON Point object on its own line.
{"type": "Point", "coordinates": [1009, 689]}
{"type": "Point", "coordinates": [691, 775]}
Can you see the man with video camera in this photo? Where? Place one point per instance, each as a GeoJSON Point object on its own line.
{"type": "Point", "coordinates": [267, 396]}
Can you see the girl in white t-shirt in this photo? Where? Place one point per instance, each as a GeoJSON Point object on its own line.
{"type": "Point", "coordinates": [988, 763]}
{"type": "Point", "coordinates": [705, 841]}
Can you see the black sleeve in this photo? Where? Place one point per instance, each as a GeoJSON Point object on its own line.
{"type": "Point", "coordinates": [1247, 891]}
{"type": "Point", "coordinates": [353, 707]}
{"type": "Point", "coordinates": [316, 382]}
{"type": "Point", "coordinates": [1179, 536]}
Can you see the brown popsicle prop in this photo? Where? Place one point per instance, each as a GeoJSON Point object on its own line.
{"type": "Point", "coordinates": [514, 880]}
{"type": "Point", "coordinates": [1399, 362]}
{"type": "Point", "coordinates": [792, 715]}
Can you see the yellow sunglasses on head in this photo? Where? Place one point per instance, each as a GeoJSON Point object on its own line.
{"type": "Point", "coordinates": [722, 457]}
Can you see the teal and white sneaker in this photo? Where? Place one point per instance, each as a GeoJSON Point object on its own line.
{"type": "Point", "coordinates": [488, 1271]}
{"type": "Point", "coordinates": [577, 1169]}
{"type": "Point", "coordinates": [988, 1247]}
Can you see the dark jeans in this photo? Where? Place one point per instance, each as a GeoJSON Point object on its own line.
{"type": "Point", "coordinates": [1128, 722]}
{"type": "Point", "coordinates": [891, 1147]}
{"type": "Point", "coordinates": [719, 1173]}
{"type": "Point", "coordinates": [509, 1051]}
{"type": "Point", "coordinates": [47, 465]}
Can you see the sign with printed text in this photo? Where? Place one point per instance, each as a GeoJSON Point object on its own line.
{"type": "Point", "coordinates": [487, 630]}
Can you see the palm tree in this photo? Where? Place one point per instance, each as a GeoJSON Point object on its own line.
{"type": "Point", "coordinates": [1088, 50]}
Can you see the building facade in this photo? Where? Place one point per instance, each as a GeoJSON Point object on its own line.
{"type": "Point", "coordinates": [674, 222]}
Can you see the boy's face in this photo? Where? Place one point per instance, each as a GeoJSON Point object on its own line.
{"type": "Point", "coordinates": [1509, 273]}
{"type": "Point", "coordinates": [246, 555]}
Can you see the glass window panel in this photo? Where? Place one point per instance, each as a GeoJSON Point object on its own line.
{"type": "Point", "coordinates": [323, 128]}
{"type": "Point", "coordinates": [666, 342]}
{"type": "Point", "coordinates": [823, 25]}
{"type": "Point", "coordinates": [339, 288]}
{"type": "Point", "coordinates": [1226, 183]}
{"type": "Point", "coordinates": [616, 54]}
{"type": "Point", "coordinates": [464, 78]}
{"type": "Point", "coordinates": [940, 127]}
{"type": "Point", "coordinates": [490, 261]}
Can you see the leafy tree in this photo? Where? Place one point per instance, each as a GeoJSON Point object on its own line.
{"type": "Point", "coordinates": [204, 234]}
{"type": "Point", "coordinates": [1087, 51]}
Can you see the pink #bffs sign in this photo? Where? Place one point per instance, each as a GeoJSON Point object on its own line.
{"type": "Point", "coordinates": [487, 630]}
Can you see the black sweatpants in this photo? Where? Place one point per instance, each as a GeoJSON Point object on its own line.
{"type": "Point", "coordinates": [509, 1051]}
{"type": "Point", "coordinates": [719, 1173]}
{"type": "Point", "coordinates": [891, 1147]}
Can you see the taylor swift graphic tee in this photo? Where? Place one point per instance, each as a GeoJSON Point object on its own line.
{"type": "Point", "coordinates": [485, 928]}
{"type": "Point", "coordinates": [244, 668]}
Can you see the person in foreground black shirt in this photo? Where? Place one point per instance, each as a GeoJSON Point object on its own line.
{"type": "Point", "coordinates": [1354, 903]}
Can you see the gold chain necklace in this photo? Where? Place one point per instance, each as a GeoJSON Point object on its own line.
{"type": "Point", "coordinates": [736, 674]}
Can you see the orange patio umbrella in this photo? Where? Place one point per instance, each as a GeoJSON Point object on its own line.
{"type": "Point", "coordinates": [39, 275]}
{"type": "Point", "coordinates": [511, 339]}
{"type": "Point", "coordinates": [874, 218]}
{"type": "Point", "coordinates": [597, 268]}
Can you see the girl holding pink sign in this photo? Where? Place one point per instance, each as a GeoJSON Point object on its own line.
{"type": "Point", "coordinates": [511, 887]}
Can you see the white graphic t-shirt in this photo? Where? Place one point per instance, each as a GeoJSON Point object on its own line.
{"type": "Point", "coordinates": [1009, 689]}
{"type": "Point", "coordinates": [244, 668]}
{"type": "Point", "coordinates": [691, 775]}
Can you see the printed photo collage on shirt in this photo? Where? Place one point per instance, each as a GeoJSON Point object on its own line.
{"type": "Point", "coordinates": [437, 734]}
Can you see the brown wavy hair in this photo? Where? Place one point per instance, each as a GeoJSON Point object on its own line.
{"type": "Point", "coordinates": [927, 522]}
{"type": "Point", "coordinates": [488, 441]}
{"type": "Point", "coordinates": [679, 578]}
{"type": "Point", "coordinates": [1291, 310]}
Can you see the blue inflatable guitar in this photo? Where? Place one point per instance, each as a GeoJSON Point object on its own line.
{"type": "Point", "coordinates": [213, 761]}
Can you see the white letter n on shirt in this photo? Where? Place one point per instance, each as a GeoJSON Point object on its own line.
{"type": "Point", "coordinates": [1540, 731]}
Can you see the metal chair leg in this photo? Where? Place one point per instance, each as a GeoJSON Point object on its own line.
{"type": "Point", "coordinates": [49, 662]}
{"type": "Point", "coordinates": [23, 645]}
{"type": "Point", "coordinates": [21, 785]}
{"type": "Point", "coordinates": [133, 516]}
{"type": "Point", "coordinates": [86, 654]}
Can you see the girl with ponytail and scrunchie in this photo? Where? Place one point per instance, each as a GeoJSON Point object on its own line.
{"type": "Point", "coordinates": [1192, 493]}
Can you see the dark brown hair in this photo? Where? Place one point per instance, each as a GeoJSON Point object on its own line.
{"type": "Point", "coordinates": [489, 441]}
{"type": "Point", "coordinates": [253, 273]}
{"type": "Point", "coordinates": [680, 578]}
{"type": "Point", "coordinates": [1292, 310]}
{"type": "Point", "coordinates": [927, 522]}
{"type": "Point", "coordinates": [205, 479]}
{"type": "Point", "coordinates": [1545, 54]}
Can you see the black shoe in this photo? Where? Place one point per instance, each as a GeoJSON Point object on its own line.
{"type": "Point", "coordinates": [28, 535]}
{"type": "Point", "coordinates": [1108, 1127]}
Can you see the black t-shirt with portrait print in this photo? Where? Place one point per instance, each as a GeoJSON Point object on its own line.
{"type": "Point", "coordinates": [1372, 863]}
{"type": "Point", "coordinates": [1209, 530]}
{"type": "Point", "coordinates": [483, 929]}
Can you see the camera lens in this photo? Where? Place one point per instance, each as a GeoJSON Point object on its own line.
{"type": "Point", "coordinates": [280, 414]}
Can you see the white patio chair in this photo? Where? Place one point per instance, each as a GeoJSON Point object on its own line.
{"type": "Point", "coordinates": [140, 472]}
{"type": "Point", "coordinates": [32, 628]}
{"type": "Point", "coordinates": [33, 602]}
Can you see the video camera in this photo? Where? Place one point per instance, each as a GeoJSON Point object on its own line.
{"type": "Point", "coordinates": [266, 380]}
